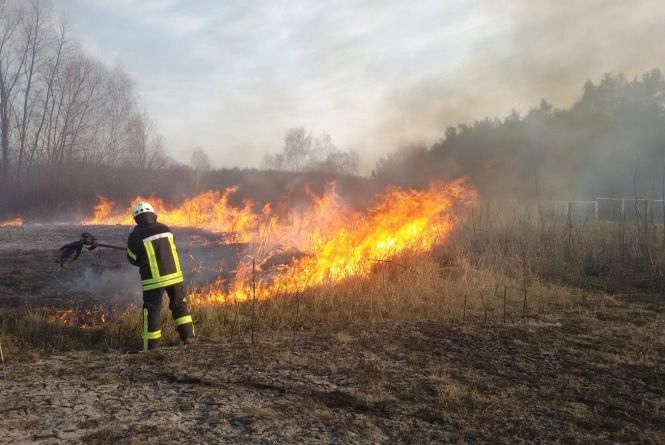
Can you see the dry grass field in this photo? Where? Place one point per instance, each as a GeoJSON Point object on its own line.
{"type": "Point", "coordinates": [508, 333]}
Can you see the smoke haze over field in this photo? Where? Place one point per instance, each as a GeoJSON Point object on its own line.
{"type": "Point", "coordinates": [235, 76]}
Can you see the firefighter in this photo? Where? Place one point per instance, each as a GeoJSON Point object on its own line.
{"type": "Point", "coordinates": [152, 248]}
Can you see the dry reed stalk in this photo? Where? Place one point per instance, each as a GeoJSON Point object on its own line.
{"type": "Point", "coordinates": [2, 356]}
{"type": "Point", "coordinates": [504, 304]}
{"type": "Point", "coordinates": [482, 299]}
{"type": "Point", "coordinates": [524, 309]}
{"type": "Point", "coordinates": [236, 321]}
{"type": "Point", "coordinates": [253, 296]}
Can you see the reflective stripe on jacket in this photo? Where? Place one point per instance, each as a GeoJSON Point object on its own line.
{"type": "Point", "coordinates": [152, 248]}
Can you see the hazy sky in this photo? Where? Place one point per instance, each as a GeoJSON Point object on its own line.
{"type": "Point", "coordinates": [234, 75]}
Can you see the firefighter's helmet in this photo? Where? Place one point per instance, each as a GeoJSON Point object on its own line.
{"type": "Point", "coordinates": [142, 207]}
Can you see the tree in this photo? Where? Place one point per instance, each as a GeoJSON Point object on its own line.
{"type": "Point", "coordinates": [274, 161]}
{"type": "Point", "coordinates": [200, 161]}
{"type": "Point", "coordinates": [34, 35]}
{"type": "Point", "coordinates": [303, 152]}
{"type": "Point", "coordinates": [200, 164]}
{"type": "Point", "coordinates": [341, 162]}
{"type": "Point", "coordinates": [145, 146]}
{"type": "Point", "coordinates": [297, 148]}
{"type": "Point", "coordinates": [59, 107]}
{"type": "Point", "coordinates": [612, 134]}
{"type": "Point", "coordinates": [13, 54]}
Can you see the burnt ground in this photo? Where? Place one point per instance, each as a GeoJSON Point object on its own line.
{"type": "Point", "coordinates": [588, 375]}
{"type": "Point", "coordinates": [29, 274]}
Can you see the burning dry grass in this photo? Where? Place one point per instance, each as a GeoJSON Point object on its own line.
{"type": "Point", "coordinates": [16, 222]}
{"type": "Point", "coordinates": [483, 273]}
{"type": "Point", "coordinates": [409, 288]}
{"type": "Point", "coordinates": [323, 243]}
{"type": "Point", "coordinates": [210, 211]}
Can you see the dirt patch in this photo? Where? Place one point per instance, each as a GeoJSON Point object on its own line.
{"type": "Point", "coordinates": [563, 379]}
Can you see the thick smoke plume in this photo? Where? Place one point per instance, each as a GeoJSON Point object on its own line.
{"type": "Point", "coordinates": [533, 50]}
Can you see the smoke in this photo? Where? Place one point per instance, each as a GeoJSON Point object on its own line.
{"type": "Point", "coordinates": [108, 284]}
{"type": "Point", "coordinates": [375, 75]}
{"type": "Point", "coordinates": [544, 49]}
{"type": "Point", "coordinates": [106, 277]}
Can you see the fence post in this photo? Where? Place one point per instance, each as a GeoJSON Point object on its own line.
{"type": "Point", "coordinates": [595, 210]}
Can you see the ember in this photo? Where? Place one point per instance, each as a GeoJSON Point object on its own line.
{"type": "Point", "coordinates": [87, 319]}
{"type": "Point", "coordinates": [16, 222]}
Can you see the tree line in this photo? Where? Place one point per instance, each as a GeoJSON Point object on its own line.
{"type": "Point", "coordinates": [608, 143]}
{"type": "Point", "coordinates": [60, 107]}
{"type": "Point", "coordinates": [304, 152]}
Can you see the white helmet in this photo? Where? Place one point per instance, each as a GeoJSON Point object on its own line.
{"type": "Point", "coordinates": [142, 207]}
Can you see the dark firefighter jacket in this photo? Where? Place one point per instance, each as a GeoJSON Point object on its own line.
{"type": "Point", "coordinates": [151, 247]}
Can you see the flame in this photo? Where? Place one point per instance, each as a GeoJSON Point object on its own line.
{"type": "Point", "coordinates": [16, 222]}
{"type": "Point", "coordinates": [87, 319]}
{"type": "Point", "coordinates": [337, 242]}
{"type": "Point", "coordinates": [325, 243]}
{"type": "Point", "coordinates": [210, 211]}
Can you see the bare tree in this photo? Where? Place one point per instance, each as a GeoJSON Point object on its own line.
{"type": "Point", "coordinates": [46, 97]}
{"type": "Point", "coordinates": [304, 152]}
{"type": "Point", "coordinates": [34, 36]}
{"type": "Point", "coordinates": [13, 54]}
{"type": "Point", "coordinates": [323, 147]}
{"type": "Point", "coordinates": [200, 160]}
{"type": "Point", "coordinates": [59, 107]}
{"type": "Point", "coordinates": [297, 148]}
{"type": "Point", "coordinates": [200, 163]}
{"type": "Point", "coordinates": [341, 162]}
{"type": "Point", "coordinates": [274, 161]}
{"type": "Point", "coordinates": [145, 145]}
{"type": "Point", "coordinates": [113, 118]}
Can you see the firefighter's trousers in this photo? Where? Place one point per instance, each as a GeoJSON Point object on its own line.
{"type": "Point", "coordinates": [152, 306]}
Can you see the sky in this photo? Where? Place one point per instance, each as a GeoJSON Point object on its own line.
{"type": "Point", "coordinates": [233, 76]}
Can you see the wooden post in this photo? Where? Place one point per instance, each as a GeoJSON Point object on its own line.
{"type": "Point", "coordinates": [570, 214]}
{"type": "Point", "coordinates": [595, 210]}
{"type": "Point", "coordinates": [464, 310]}
{"type": "Point", "coordinates": [571, 210]}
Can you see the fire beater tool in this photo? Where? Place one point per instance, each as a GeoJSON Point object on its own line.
{"type": "Point", "coordinates": [70, 252]}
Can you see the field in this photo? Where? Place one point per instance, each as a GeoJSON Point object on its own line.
{"type": "Point", "coordinates": [508, 333]}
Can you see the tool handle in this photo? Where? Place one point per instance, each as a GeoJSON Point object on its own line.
{"type": "Point", "coordinates": [111, 246]}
